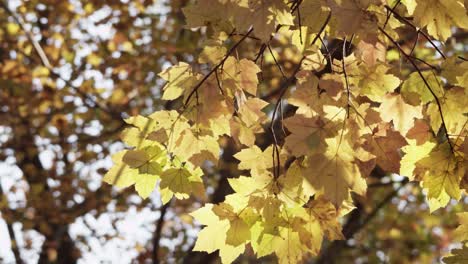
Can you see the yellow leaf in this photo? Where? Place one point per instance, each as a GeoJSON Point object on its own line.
{"type": "Point", "coordinates": [179, 79]}
{"type": "Point", "coordinates": [254, 158]}
{"type": "Point", "coordinates": [454, 106]}
{"type": "Point", "coordinates": [213, 236]}
{"type": "Point", "coordinates": [415, 91]}
{"type": "Point", "coordinates": [120, 175]}
{"type": "Point", "coordinates": [315, 22]}
{"type": "Point", "coordinates": [40, 71]}
{"type": "Point", "coordinates": [145, 184]}
{"type": "Point", "coordinates": [375, 83]}
{"type": "Point", "coordinates": [393, 108]}
{"type": "Point", "coordinates": [440, 16]}
{"type": "Point", "coordinates": [443, 173]}
{"type": "Point", "coordinates": [414, 153]}
{"type": "Point", "coordinates": [461, 233]}
{"type": "Point", "coordinates": [307, 135]}
{"type": "Point", "coordinates": [335, 172]}
{"type": "Point", "coordinates": [213, 53]}
{"type": "Point", "coordinates": [135, 158]}
{"type": "Point", "coordinates": [410, 5]}
{"type": "Point", "coordinates": [180, 181]}
{"type": "Point", "coordinates": [12, 28]}
{"type": "Point", "coordinates": [93, 59]}
{"type": "Point", "coordinates": [241, 75]}
{"type": "Point", "coordinates": [238, 233]}
{"type": "Point", "coordinates": [439, 202]}
{"type": "Point", "coordinates": [266, 15]}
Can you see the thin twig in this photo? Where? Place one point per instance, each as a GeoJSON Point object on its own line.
{"type": "Point", "coordinates": [389, 13]}
{"type": "Point", "coordinates": [40, 52]}
{"type": "Point", "coordinates": [406, 21]}
{"type": "Point", "coordinates": [410, 59]}
{"type": "Point", "coordinates": [283, 89]}
{"type": "Point", "coordinates": [231, 50]}
{"type": "Point", "coordinates": [276, 62]}
{"type": "Point", "coordinates": [346, 77]}
{"type": "Point", "coordinates": [300, 24]}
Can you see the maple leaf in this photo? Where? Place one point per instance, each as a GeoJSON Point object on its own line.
{"type": "Point", "coordinates": [266, 15]}
{"type": "Point", "coordinates": [213, 236]}
{"type": "Point", "coordinates": [414, 90]}
{"type": "Point", "coordinates": [306, 96]}
{"type": "Point", "coordinates": [421, 132]}
{"type": "Point", "coordinates": [213, 52]}
{"type": "Point", "coordinates": [250, 111]}
{"type": "Point", "coordinates": [344, 113]}
{"type": "Point", "coordinates": [457, 256]}
{"type": "Point", "coordinates": [238, 233]}
{"type": "Point", "coordinates": [352, 16]}
{"type": "Point", "coordinates": [180, 182]}
{"type": "Point", "coordinates": [135, 158]}
{"type": "Point", "coordinates": [461, 233]}
{"type": "Point", "coordinates": [370, 53]}
{"type": "Point", "coordinates": [240, 74]}
{"type": "Point", "coordinates": [443, 172]}
{"type": "Point", "coordinates": [307, 134]}
{"type": "Point", "coordinates": [145, 184]}
{"type": "Point", "coordinates": [394, 108]}
{"type": "Point", "coordinates": [454, 105]}
{"type": "Point", "coordinates": [414, 153]}
{"type": "Point", "coordinates": [250, 185]}
{"type": "Point", "coordinates": [386, 149]}
{"type": "Point", "coordinates": [241, 132]}
{"type": "Point", "coordinates": [290, 186]}
{"type": "Point", "coordinates": [209, 12]}
{"type": "Point", "coordinates": [321, 11]}
{"type": "Point", "coordinates": [440, 16]}
{"type": "Point", "coordinates": [137, 167]}
{"type": "Point", "coordinates": [120, 175]}
{"type": "Point", "coordinates": [196, 149]}
{"type": "Point", "coordinates": [335, 172]}
{"type": "Point", "coordinates": [376, 83]}
{"type": "Point", "coordinates": [179, 79]}
{"type": "Point", "coordinates": [288, 249]}
{"type": "Point", "coordinates": [455, 72]}
{"type": "Point", "coordinates": [326, 214]}
{"type": "Point", "coordinates": [255, 159]}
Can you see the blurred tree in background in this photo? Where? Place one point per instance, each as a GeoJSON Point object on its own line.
{"type": "Point", "coordinates": [72, 71]}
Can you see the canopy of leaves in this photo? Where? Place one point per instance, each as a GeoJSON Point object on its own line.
{"type": "Point", "coordinates": [277, 125]}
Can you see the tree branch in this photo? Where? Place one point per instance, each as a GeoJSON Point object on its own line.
{"type": "Point", "coordinates": [158, 232]}
{"type": "Point", "coordinates": [439, 106]}
{"type": "Point", "coordinates": [231, 50]}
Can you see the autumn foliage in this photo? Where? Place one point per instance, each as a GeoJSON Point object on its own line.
{"type": "Point", "coordinates": [276, 129]}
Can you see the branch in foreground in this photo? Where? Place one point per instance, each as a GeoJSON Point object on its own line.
{"type": "Point", "coordinates": [439, 106]}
